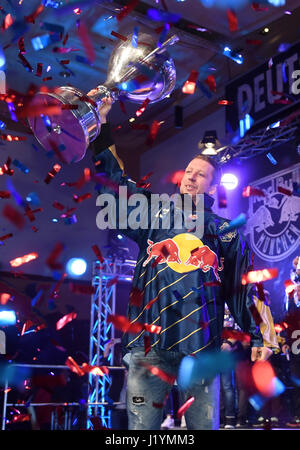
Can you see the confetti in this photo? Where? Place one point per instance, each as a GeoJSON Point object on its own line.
{"type": "Point", "coordinates": [147, 344]}
{"type": "Point", "coordinates": [5, 236]}
{"type": "Point", "coordinates": [31, 18]}
{"type": "Point", "coordinates": [118, 35]}
{"type": "Point", "coordinates": [126, 10]}
{"type": "Point", "coordinates": [232, 20]}
{"type": "Point", "coordinates": [4, 194]}
{"type": "Point", "coordinates": [51, 174]}
{"type": "Point", "coordinates": [258, 276]}
{"type": "Point", "coordinates": [222, 198]}
{"type": "Point", "coordinates": [65, 319]}
{"type": "Point", "coordinates": [51, 260]}
{"type": "Point", "coordinates": [134, 41]}
{"type": "Point", "coordinates": [136, 297]}
{"type": "Point", "coordinates": [98, 253]}
{"type": "Point", "coordinates": [81, 198]}
{"type": "Point", "coordinates": [17, 262]}
{"type": "Point", "coordinates": [153, 132]}
{"type": "Point", "coordinates": [74, 367]}
{"type": "Point", "coordinates": [182, 410]}
{"type": "Point", "coordinates": [58, 206]}
{"type": "Point", "coordinates": [189, 86]}
{"type": "Point", "coordinates": [86, 42]}
{"type": "Point", "coordinates": [236, 335]}
{"type": "Point", "coordinates": [20, 166]}
{"type": "Point", "coordinates": [211, 83]}
{"type": "Point", "coordinates": [140, 111]}
{"type": "Point", "coordinates": [82, 289]}
{"type": "Point", "coordinates": [284, 191]}
{"type": "Point", "coordinates": [11, 214]}
{"type": "Point", "coordinates": [167, 378]}
{"type": "Point", "coordinates": [250, 191]}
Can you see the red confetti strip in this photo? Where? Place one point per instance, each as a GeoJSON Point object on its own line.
{"type": "Point", "coordinates": [39, 70]}
{"type": "Point", "coordinates": [140, 111]}
{"type": "Point", "coordinates": [112, 282]}
{"type": "Point", "coordinates": [55, 291]}
{"type": "Point", "coordinates": [4, 194]}
{"type": "Point", "coordinates": [141, 182]}
{"type": "Point", "coordinates": [95, 370]}
{"type": "Point", "coordinates": [123, 324]}
{"type": "Point", "coordinates": [98, 253]}
{"type": "Point", "coordinates": [211, 83]}
{"type": "Point", "coordinates": [257, 276]}
{"type": "Point", "coordinates": [37, 110]}
{"type": "Point", "coordinates": [58, 206]}
{"type": "Point", "coordinates": [232, 20]}
{"type": "Point", "coordinates": [284, 191]}
{"type": "Point", "coordinates": [65, 319]}
{"type": "Point", "coordinates": [86, 42]}
{"type": "Point", "coordinates": [51, 260]}
{"type": "Point", "coordinates": [236, 335]}
{"type": "Point", "coordinates": [74, 367]}
{"type": "Point", "coordinates": [225, 102]}
{"type": "Point", "coordinates": [153, 132]}
{"type": "Point", "coordinates": [256, 7]}
{"type": "Point", "coordinates": [25, 62]}
{"type": "Point", "coordinates": [126, 10]}
{"type": "Point", "coordinates": [147, 344]}
{"type": "Point", "coordinates": [10, 138]}
{"type": "Point", "coordinates": [81, 289]}
{"type": "Point", "coordinates": [289, 286]}
{"type": "Point", "coordinates": [182, 410]}
{"type": "Point", "coordinates": [189, 86]}
{"type": "Point", "coordinates": [170, 379]}
{"type": "Point", "coordinates": [149, 304]}
{"type": "Point", "coordinates": [13, 216]}
{"type": "Point", "coordinates": [119, 36]}
{"type": "Point", "coordinates": [31, 18]}
{"type": "Point", "coordinates": [6, 236]}
{"type": "Point", "coordinates": [255, 314]}
{"type": "Point", "coordinates": [65, 49]}
{"type": "Point", "coordinates": [52, 173]}
{"type": "Point", "coordinates": [81, 197]}
{"type": "Point", "coordinates": [21, 45]}
{"type": "Point", "coordinates": [152, 328]}
{"type": "Point", "coordinates": [17, 262]}
{"type": "Point", "coordinates": [252, 192]}
{"type": "Point", "coordinates": [222, 198]}
{"type": "Point", "coordinates": [136, 297]}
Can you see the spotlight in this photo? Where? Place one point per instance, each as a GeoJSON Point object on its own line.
{"type": "Point", "coordinates": [229, 181]}
{"type": "Point", "coordinates": [76, 267]}
{"type": "Point", "coordinates": [208, 143]}
{"type": "Point", "coordinates": [7, 317]}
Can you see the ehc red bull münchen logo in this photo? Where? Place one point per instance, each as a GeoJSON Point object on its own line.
{"type": "Point", "coordinates": [184, 253]}
{"type": "Point", "coordinates": [273, 219]}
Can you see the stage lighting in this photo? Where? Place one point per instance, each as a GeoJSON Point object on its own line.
{"type": "Point", "coordinates": [208, 143]}
{"type": "Point", "coordinates": [229, 181]}
{"type": "Point", "coordinates": [7, 317]}
{"type": "Point", "coordinates": [76, 267]}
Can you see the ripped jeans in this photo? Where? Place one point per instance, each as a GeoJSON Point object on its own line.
{"type": "Point", "coordinates": [147, 393]}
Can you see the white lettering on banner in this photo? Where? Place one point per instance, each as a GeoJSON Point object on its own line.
{"type": "Point", "coordinates": [253, 97]}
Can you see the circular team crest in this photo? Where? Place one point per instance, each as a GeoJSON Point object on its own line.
{"type": "Point", "coordinates": [273, 219]}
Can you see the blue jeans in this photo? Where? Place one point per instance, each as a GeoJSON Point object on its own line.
{"type": "Point", "coordinates": [228, 388]}
{"type": "Point", "coordinates": [146, 393]}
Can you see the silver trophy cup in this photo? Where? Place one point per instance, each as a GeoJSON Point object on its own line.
{"type": "Point", "coordinates": [135, 73]}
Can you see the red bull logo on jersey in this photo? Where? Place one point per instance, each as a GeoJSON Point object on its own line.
{"type": "Point", "coordinates": [185, 252]}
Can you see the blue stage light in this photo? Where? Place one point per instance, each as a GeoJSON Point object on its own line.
{"type": "Point", "coordinates": [76, 267]}
{"type": "Point", "coordinates": [7, 317]}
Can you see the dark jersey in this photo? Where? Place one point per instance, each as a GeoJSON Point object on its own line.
{"type": "Point", "coordinates": [184, 280]}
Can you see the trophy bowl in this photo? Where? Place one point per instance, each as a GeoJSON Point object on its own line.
{"type": "Point", "coordinates": [69, 120]}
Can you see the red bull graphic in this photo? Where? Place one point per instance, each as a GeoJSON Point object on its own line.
{"type": "Point", "coordinates": [204, 258]}
{"type": "Point", "coordinates": [166, 251]}
{"type": "Point", "coordinates": [184, 253]}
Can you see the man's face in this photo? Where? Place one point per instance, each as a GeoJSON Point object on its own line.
{"type": "Point", "coordinates": [197, 178]}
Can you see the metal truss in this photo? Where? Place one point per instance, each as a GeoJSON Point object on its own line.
{"type": "Point", "coordinates": [103, 303]}
{"type": "Point", "coordinates": [260, 141]}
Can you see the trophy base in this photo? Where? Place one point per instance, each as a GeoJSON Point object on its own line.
{"type": "Point", "coordinates": [60, 131]}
